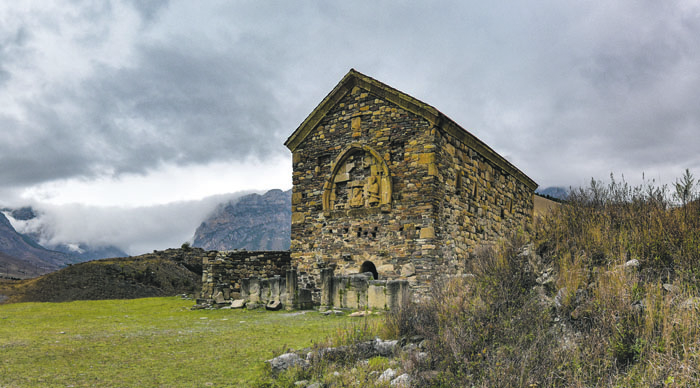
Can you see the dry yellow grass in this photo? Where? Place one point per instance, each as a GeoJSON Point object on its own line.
{"type": "Point", "coordinates": [544, 206]}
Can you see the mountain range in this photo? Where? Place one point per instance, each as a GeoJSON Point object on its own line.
{"type": "Point", "coordinates": [554, 192]}
{"type": "Point", "coordinates": [22, 257]}
{"type": "Point", "coordinates": [253, 222]}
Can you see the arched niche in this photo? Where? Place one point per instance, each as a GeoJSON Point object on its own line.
{"type": "Point", "coordinates": [369, 266]}
{"type": "Point", "coordinates": [359, 178]}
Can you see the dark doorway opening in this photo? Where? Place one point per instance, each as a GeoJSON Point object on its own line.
{"type": "Point", "coordinates": [368, 266]}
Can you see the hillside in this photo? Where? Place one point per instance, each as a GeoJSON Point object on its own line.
{"type": "Point", "coordinates": [253, 222]}
{"type": "Point", "coordinates": [21, 257]}
{"type": "Point", "coordinates": [161, 273]}
{"type": "Point", "coordinates": [32, 225]}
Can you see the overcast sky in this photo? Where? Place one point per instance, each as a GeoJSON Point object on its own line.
{"type": "Point", "coordinates": [139, 104]}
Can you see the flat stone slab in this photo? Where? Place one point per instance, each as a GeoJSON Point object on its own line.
{"type": "Point", "coordinates": [273, 305]}
{"type": "Point", "coordinates": [238, 304]}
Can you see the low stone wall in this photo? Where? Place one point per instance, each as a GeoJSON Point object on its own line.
{"type": "Point", "coordinates": [361, 291]}
{"type": "Point", "coordinates": [224, 271]}
{"type": "Point", "coordinates": [262, 278]}
{"type": "Point", "coordinates": [257, 292]}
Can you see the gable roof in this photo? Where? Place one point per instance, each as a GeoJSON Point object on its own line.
{"type": "Point", "coordinates": [356, 79]}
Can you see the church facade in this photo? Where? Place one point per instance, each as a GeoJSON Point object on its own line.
{"type": "Point", "coordinates": [387, 184]}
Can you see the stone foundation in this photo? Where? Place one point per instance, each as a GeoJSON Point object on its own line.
{"type": "Point", "coordinates": [361, 291]}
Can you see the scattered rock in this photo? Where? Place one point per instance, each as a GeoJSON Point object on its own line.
{"type": "Point", "coordinates": [315, 385]}
{"type": "Point", "coordinates": [332, 312]}
{"type": "Point", "coordinates": [274, 305]}
{"type": "Point", "coordinates": [691, 303]}
{"type": "Point", "coordinates": [253, 306]}
{"type": "Point", "coordinates": [402, 381]}
{"type": "Point", "coordinates": [638, 305]}
{"type": "Point", "coordinates": [670, 288]}
{"type": "Point", "coordinates": [301, 383]}
{"type": "Point", "coordinates": [546, 277]}
{"type": "Point", "coordinates": [219, 298]}
{"type": "Point", "coordinates": [238, 304]}
{"type": "Point", "coordinates": [286, 361]}
{"type": "Point", "coordinates": [388, 375]}
{"type": "Point", "coordinates": [360, 313]}
{"type": "Point", "coordinates": [385, 348]}
{"type": "Point", "coordinates": [634, 263]}
{"type": "Point", "coordinates": [559, 299]}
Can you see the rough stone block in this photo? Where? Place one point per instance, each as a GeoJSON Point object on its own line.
{"type": "Point", "coordinates": [238, 304]}
{"type": "Point", "coordinates": [273, 305]}
{"type": "Point", "coordinates": [427, 232]}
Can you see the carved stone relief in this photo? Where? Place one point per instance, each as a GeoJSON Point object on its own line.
{"type": "Point", "coordinates": [360, 180]}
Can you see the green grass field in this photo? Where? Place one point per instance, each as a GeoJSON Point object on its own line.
{"type": "Point", "coordinates": [152, 342]}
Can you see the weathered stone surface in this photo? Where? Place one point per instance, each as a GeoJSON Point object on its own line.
{"type": "Point", "coordinates": [691, 303]}
{"type": "Point", "coordinates": [238, 304]}
{"type": "Point", "coordinates": [670, 288]}
{"type": "Point", "coordinates": [219, 297]}
{"type": "Point", "coordinates": [383, 178]}
{"type": "Point", "coordinates": [408, 270]}
{"type": "Point", "coordinates": [273, 305]}
{"type": "Point", "coordinates": [634, 263]}
{"type": "Point", "coordinates": [227, 271]}
{"type": "Point", "coordinates": [286, 361]}
{"type": "Point", "coordinates": [403, 381]}
{"type": "Point", "coordinates": [385, 348]}
{"type": "Point", "coordinates": [387, 375]}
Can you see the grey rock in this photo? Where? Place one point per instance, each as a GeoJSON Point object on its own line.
{"type": "Point", "coordinates": [559, 299]}
{"type": "Point", "coordinates": [219, 298]}
{"type": "Point", "coordinates": [274, 305]}
{"type": "Point", "coordinates": [315, 385]}
{"type": "Point", "coordinates": [286, 361]}
{"type": "Point", "coordinates": [388, 375]}
{"type": "Point", "coordinates": [301, 383]}
{"type": "Point", "coordinates": [691, 303]}
{"type": "Point", "coordinates": [634, 263]}
{"type": "Point", "coordinates": [238, 304]}
{"type": "Point", "coordinates": [403, 381]}
{"type": "Point", "coordinates": [670, 288]}
{"type": "Point", "coordinates": [385, 348]}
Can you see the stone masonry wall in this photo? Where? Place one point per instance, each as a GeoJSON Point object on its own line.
{"type": "Point", "coordinates": [375, 183]}
{"type": "Point", "coordinates": [360, 291]}
{"type": "Point", "coordinates": [393, 233]}
{"type": "Point", "coordinates": [224, 270]}
{"type": "Point", "coordinates": [478, 201]}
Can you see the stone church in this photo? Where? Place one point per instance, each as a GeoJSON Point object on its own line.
{"type": "Point", "coordinates": [384, 183]}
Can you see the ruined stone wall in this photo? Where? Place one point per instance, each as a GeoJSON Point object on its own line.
{"type": "Point", "coordinates": [364, 191]}
{"type": "Point", "coordinates": [360, 291]}
{"type": "Point", "coordinates": [224, 270]}
{"type": "Point", "coordinates": [480, 200]}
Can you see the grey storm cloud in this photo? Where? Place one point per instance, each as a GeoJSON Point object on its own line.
{"type": "Point", "coordinates": [566, 90]}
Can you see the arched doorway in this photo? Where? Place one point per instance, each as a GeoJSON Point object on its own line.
{"type": "Point", "coordinates": [368, 266]}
